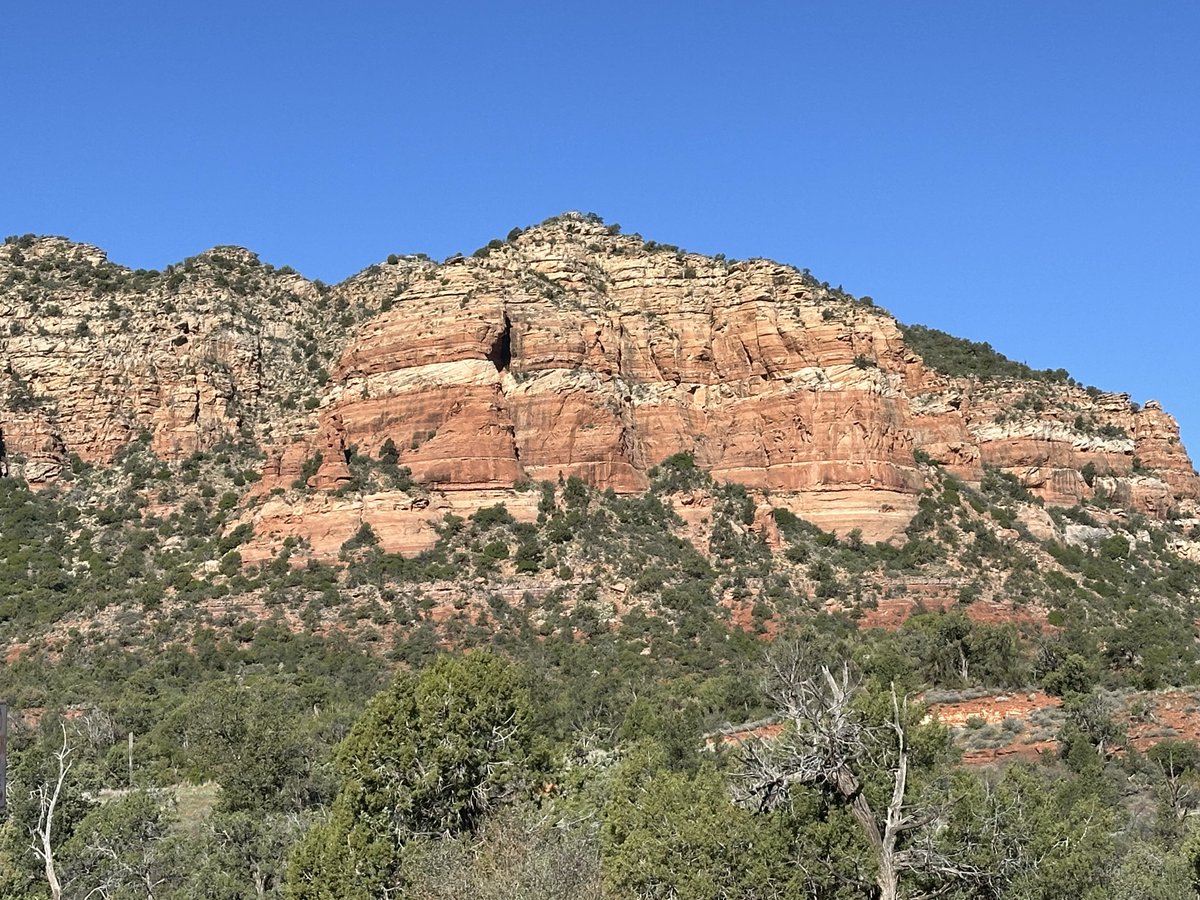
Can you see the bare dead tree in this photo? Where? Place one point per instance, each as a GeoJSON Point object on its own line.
{"type": "Point", "coordinates": [97, 729]}
{"type": "Point", "coordinates": [129, 852]}
{"type": "Point", "coordinates": [118, 872]}
{"type": "Point", "coordinates": [826, 746]}
{"type": "Point", "coordinates": [47, 799]}
{"type": "Point", "coordinates": [1180, 782]}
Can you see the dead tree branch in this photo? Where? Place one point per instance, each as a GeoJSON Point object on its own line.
{"type": "Point", "coordinates": [827, 744]}
{"type": "Point", "coordinates": [47, 800]}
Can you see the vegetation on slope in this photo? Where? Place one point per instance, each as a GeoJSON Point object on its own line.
{"type": "Point", "coordinates": [257, 748]}
{"type": "Point", "coordinates": [959, 357]}
{"type": "Point", "coordinates": [549, 708]}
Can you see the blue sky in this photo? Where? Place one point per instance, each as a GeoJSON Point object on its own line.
{"type": "Point", "coordinates": [1025, 173]}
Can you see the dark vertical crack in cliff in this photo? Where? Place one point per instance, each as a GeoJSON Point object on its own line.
{"type": "Point", "coordinates": [500, 353]}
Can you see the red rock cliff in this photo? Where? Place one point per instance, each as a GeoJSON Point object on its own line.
{"type": "Point", "coordinates": [566, 350]}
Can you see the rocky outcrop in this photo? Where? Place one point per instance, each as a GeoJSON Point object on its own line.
{"type": "Point", "coordinates": [570, 351]}
{"type": "Point", "coordinates": [1059, 439]}
{"type": "Point", "coordinates": [566, 351]}
{"type": "Point", "coordinates": [219, 349]}
{"type": "Point", "coordinates": [573, 352]}
{"type": "Point", "coordinates": [1159, 449]}
{"type": "Point", "coordinates": [403, 522]}
{"type": "Point", "coordinates": [28, 438]}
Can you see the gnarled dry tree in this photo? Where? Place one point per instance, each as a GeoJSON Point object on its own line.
{"type": "Point", "coordinates": [828, 743]}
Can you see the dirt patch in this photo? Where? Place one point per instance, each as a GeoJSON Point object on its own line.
{"type": "Point", "coordinates": [992, 709]}
{"type": "Point", "coordinates": [995, 727]}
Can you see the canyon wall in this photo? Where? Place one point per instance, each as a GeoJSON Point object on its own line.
{"type": "Point", "coordinates": [566, 350]}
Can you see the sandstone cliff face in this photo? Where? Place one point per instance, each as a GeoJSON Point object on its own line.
{"type": "Point", "coordinates": [219, 349]}
{"type": "Point", "coordinates": [565, 351]}
{"type": "Point", "coordinates": [1066, 443]}
{"type": "Point", "coordinates": [573, 352]}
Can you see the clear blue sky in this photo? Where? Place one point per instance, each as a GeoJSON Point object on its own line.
{"type": "Point", "coordinates": [1026, 173]}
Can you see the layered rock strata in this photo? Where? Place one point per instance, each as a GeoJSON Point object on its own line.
{"type": "Point", "coordinates": [218, 349]}
{"type": "Point", "coordinates": [572, 352]}
{"type": "Point", "coordinates": [567, 350]}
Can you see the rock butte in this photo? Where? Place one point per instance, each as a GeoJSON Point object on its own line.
{"type": "Point", "coordinates": [564, 351]}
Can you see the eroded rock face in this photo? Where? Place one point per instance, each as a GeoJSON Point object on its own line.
{"type": "Point", "coordinates": [29, 434]}
{"type": "Point", "coordinates": [572, 352]}
{"type": "Point", "coordinates": [1158, 447]}
{"type": "Point", "coordinates": [566, 351]}
{"type": "Point", "coordinates": [1059, 440]}
{"type": "Point", "coordinates": [403, 523]}
{"type": "Point", "coordinates": [218, 349]}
